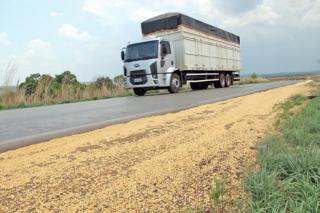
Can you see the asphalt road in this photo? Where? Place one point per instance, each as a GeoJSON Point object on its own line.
{"type": "Point", "coordinates": [21, 127]}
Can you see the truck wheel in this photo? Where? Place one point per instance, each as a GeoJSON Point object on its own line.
{"type": "Point", "coordinates": [204, 85]}
{"type": "Point", "coordinates": [175, 83]}
{"type": "Point", "coordinates": [199, 86]}
{"type": "Point", "coordinates": [139, 91]}
{"type": "Point", "coordinates": [195, 86]}
{"type": "Point", "coordinates": [228, 80]}
{"type": "Point", "coordinates": [222, 81]}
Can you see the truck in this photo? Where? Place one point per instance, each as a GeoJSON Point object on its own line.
{"type": "Point", "coordinates": [177, 49]}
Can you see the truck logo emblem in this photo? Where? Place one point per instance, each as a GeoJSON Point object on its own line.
{"type": "Point", "coordinates": [136, 65]}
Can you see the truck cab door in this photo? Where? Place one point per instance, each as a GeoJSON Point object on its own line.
{"type": "Point", "coordinates": [167, 59]}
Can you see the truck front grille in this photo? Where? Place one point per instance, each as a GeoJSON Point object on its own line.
{"type": "Point", "coordinates": [138, 77]}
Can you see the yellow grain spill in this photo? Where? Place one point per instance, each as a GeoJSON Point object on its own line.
{"type": "Point", "coordinates": [161, 163]}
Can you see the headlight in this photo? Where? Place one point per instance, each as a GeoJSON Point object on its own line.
{"type": "Point", "coordinates": [153, 68]}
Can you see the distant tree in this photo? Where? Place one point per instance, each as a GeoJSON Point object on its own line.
{"type": "Point", "coordinates": [118, 80]}
{"type": "Point", "coordinates": [104, 82]}
{"type": "Point", "coordinates": [30, 83]}
{"type": "Point", "coordinates": [254, 76]}
{"type": "Point", "coordinates": [66, 78]}
{"type": "Point", "coordinates": [45, 79]}
{"type": "Point", "coordinates": [47, 83]}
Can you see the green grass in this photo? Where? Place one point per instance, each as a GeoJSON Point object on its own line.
{"type": "Point", "coordinates": [286, 107]}
{"type": "Point", "coordinates": [217, 191]}
{"type": "Point", "coordinates": [288, 178]}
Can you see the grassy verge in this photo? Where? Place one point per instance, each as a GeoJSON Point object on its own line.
{"type": "Point", "coordinates": [18, 99]}
{"type": "Point", "coordinates": [253, 80]}
{"type": "Point", "coordinates": [288, 174]}
{"type": "Point", "coordinates": [39, 90]}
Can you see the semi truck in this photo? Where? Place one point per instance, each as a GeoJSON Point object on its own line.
{"type": "Point", "coordinates": [177, 49]}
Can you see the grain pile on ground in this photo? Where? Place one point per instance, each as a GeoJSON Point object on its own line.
{"type": "Point", "coordinates": [157, 164]}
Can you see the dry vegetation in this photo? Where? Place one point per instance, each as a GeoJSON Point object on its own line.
{"type": "Point", "coordinates": [67, 94]}
{"type": "Point", "coordinates": [252, 79]}
{"type": "Point", "coordinates": [64, 88]}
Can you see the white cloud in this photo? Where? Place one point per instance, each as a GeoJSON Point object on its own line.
{"type": "Point", "coordinates": [56, 14]}
{"type": "Point", "coordinates": [103, 7]}
{"type": "Point", "coordinates": [37, 57]}
{"type": "Point", "coordinates": [38, 52]}
{"type": "Point", "coordinates": [37, 44]}
{"type": "Point", "coordinates": [72, 32]}
{"type": "Point", "coordinates": [312, 17]}
{"type": "Point", "coordinates": [263, 14]}
{"type": "Point", "coordinates": [94, 6]}
{"type": "Point", "coordinates": [143, 14]}
{"type": "Point", "coordinates": [133, 10]}
{"type": "Point", "coordinates": [4, 39]}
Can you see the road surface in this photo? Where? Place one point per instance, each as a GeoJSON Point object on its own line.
{"type": "Point", "coordinates": [21, 127]}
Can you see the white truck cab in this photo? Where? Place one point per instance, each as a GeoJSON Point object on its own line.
{"type": "Point", "coordinates": [149, 65]}
{"type": "Point", "coordinates": [178, 50]}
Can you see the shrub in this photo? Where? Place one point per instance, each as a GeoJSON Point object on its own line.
{"type": "Point", "coordinates": [30, 84]}
{"type": "Point", "coordinates": [104, 82]}
{"type": "Point", "coordinates": [119, 80]}
{"type": "Point", "coordinates": [63, 88]}
{"type": "Point", "coordinates": [254, 76]}
{"type": "Point", "coordinates": [66, 78]}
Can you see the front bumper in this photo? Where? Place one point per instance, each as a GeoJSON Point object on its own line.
{"type": "Point", "coordinates": [141, 80]}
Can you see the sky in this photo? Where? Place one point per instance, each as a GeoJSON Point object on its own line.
{"type": "Point", "coordinates": [86, 36]}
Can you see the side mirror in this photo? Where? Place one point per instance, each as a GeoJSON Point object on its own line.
{"type": "Point", "coordinates": [164, 51]}
{"type": "Point", "coordinates": [122, 55]}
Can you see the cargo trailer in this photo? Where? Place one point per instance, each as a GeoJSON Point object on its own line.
{"type": "Point", "coordinates": [178, 49]}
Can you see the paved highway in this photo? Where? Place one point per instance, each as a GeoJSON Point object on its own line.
{"type": "Point", "coordinates": [21, 127]}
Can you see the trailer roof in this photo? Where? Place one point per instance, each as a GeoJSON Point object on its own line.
{"type": "Point", "coordinates": [173, 20]}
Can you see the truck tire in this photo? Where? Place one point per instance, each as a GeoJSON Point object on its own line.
{"type": "Point", "coordinates": [139, 91]}
{"type": "Point", "coordinates": [199, 86]}
{"type": "Point", "coordinates": [228, 80]}
{"type": "Point", "coordinates": [222, 81]}
{"type": "Point", "coordinates": [204, 85]}
{"type": "Point", "coordinates": [175, 83]}
{"type": "Point", "coordinates": [194, 86]}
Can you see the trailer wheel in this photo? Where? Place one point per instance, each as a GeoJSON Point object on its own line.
{"type": "Point", "coordinates": [204, 85]}
{"type": "Point", "coordinates": [222, 81]}
{"type": "Point", "coordinates": [199, 86]}
{"type": "Point", "coordinates": [139, 91]}
{"type": "Point", "coordinates": [175, 83]}
{"type": "Point", "coordinates": [228, 80]}
{"type": "Point", "coordinates": [194, 86]}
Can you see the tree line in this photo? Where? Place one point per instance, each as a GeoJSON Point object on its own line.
{"type": "Point", "coordinates": [53, 84]}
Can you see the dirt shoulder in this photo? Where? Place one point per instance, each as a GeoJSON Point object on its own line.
{"type": "Point", "coordinates": [162, 163]}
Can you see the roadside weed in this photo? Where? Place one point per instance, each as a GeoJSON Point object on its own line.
{"type": "Point", "coordinates": [217, 190]}
{"type": "Point", "coordinates": [288, 177]}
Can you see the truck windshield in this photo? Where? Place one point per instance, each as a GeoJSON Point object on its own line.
{"type": "Point", "coordinates": [142, 51]}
